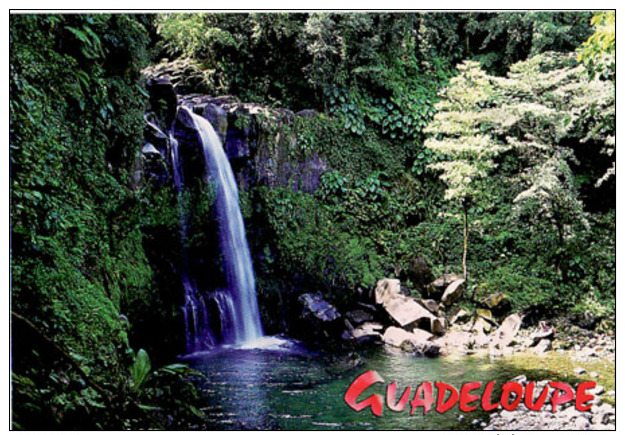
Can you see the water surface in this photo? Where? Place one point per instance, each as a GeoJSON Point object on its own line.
{"type": "Point", "coordinates": [276, 388]}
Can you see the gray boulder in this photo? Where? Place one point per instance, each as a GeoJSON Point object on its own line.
{"type": "Point", "coordinates": [509, 328]}
{"type": "Point", "coordinates": [417, 341]}
{"type": "Point", "coordinates": [438, 286]}
{"type": "Point", "coordinates": [543, 346]}
{"type": "Point", "coordinates": [318, 308]}
{"type": "Point", "coordinates": [386, 289]}
{"type": "Point", "coordinates": [429, 304]}
{"type": "Point", "coordinates": [453, 292]}
{"type": "Point", "coordinates": [358, 317]}
{"type": "Point", "coordinates": [368, 332]}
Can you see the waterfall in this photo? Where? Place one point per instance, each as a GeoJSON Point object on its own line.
{"type": "Point", "coordinates": [236, 306]}
{"type": "Point", "coordinates": [196, 318]}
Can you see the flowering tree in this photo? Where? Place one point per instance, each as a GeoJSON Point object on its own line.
{"type": "Point", "coordinates": [529, 112]}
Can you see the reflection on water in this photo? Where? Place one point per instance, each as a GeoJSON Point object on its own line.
{"type": "Point", "coordinates": [286, 386]}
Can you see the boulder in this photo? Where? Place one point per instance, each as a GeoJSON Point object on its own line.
{"type": "Point", "coordinates": [587, 320]}
{"type": "Point", "coordinates": [418, 341]}
{"type": "Point", "coordinates": [543, 346]}
{"type": "Point", "coordinates": [429, 349]}
{"type": "Point", "coordinates": [597, 391]}
{"type": "Point", "coordinates": [386, 289]}
{"type": "Point", "coordinates": [481, 339]}
{"type": "Point", "coordinates": [153, 165]}
{"type": "Point", "coordinates": [316, 307]}
{"type": "Point", "coordinates": [368, 332]}
{"type": "Point", "coordinates": [430, 305]}
{"type": "Point", "coordinates": [544, 332]}
{"type": "Point", "coordinates": [456, 340]}
{"type": "Point", "coordinates": [395, 336]}
{"type": "Point", "coordinates": [498, 303]}
{"type": "Point", "coordinates": [438, 286]}
{"type": "Point", "coordinates": [422, 335]}
{"type": "Point", "coordinates": [359, 316]}
{"type": "Point", "coordinates": [150, 150]}
{"type": "Point", "coordinates": [438, 326]}
{"type": "Point", "coordinates": [481, 326]}
{"type": "Point", "coordinates": [509, 328]}
{"type": "Point", "coordinates": [453, 292]}
{"type": "Point", "coordinates": [486, 315]}
{"type": "Point", "coordinates": [405, 311]}
{"type": "Point", "coordinates": [426, 349]}
{"type": "Point", "coordinates": [460, 317]}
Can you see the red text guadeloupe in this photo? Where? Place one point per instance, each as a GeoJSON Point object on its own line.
{"type": "Point", "coordinates": [468, 398]}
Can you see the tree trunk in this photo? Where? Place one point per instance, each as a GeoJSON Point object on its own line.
{"type": "Point", "coordinates": [465, 208]}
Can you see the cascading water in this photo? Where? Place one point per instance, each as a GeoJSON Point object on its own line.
{"type": "Point", "coordinates": [244, 317]}
{"type": "Point", "coordinates": [197, 330]}
{"type": "Point", "coordinates": [236, 306]}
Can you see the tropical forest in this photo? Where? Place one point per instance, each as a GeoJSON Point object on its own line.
{"type": "Point", "coordinates": [313, 220]}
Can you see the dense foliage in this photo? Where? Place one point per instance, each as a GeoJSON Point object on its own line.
{"type": "Point", "coordinates": [377, 78]}
{"type": "Point", "coordinates": [77, 253]}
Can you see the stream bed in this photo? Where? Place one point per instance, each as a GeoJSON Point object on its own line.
{"type": "Point", "coordinates": [286, 386]}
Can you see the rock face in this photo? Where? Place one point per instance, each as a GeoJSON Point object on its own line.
{"type": "Point", "coordinates": [218, 117]}
{"type": "Point", "coordinates": [261, 140]}
{"type": "Point", "coordinates": [261, 143]}
{"type": "Point", "coordinates": [163, 99]}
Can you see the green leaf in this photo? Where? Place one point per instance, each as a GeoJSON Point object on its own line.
{"type": "Point", "coordinates": [140, 369]}
{"type": "Point", "coordinates": [79, 34]}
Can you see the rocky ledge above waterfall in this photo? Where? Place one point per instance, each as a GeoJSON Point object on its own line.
{"type": "Point", "coordinates": [261, 143]}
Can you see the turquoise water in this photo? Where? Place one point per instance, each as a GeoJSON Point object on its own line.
{"type": "Point", "coordinates": [300, 389]}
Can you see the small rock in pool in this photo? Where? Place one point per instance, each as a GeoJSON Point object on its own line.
{"type": "Point", "coordinates": [521, 379]}
{"type": "Point", "coordinates": [597, 391]}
